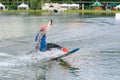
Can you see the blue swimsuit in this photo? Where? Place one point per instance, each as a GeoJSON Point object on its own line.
{"type": "Point", "coordinates": [42, 41]}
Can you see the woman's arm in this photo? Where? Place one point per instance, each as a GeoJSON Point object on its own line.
{"type": "Point", "coordinates": [49, 25]}
{"type": "Point", "coordinates": [50, 22]}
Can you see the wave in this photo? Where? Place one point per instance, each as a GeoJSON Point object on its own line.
{"type": "Point", "coordinates": [2, 55]}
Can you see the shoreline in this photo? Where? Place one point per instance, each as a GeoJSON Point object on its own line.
{"type": "Point", "coordinates": [66, 11]}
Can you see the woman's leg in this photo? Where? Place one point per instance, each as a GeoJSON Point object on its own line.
{"type": "Point", "coordinates": [52, 45]}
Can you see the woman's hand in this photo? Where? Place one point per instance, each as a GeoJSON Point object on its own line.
{"type": "Point", "coordinates": [51, 22]}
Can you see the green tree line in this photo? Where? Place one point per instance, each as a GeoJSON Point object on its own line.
{"type": "Point", "coordinates": [36, 4]}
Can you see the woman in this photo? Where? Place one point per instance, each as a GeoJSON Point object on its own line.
{"type": "Point", "coordinates": [41, 39]}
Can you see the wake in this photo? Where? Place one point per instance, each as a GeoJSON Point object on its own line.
{"type": "Point", "coordinates": [33, 58]}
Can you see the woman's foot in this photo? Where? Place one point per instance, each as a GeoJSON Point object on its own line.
{"type": "Point", "coordinates": [64, 49]}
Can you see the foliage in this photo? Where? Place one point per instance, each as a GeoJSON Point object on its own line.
{"type": "Point", "coordinates": [34, 4]}
{"type": "Point", "coordinates": [37, 4]}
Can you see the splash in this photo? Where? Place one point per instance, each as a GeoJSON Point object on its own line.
{"type": "Point", "coordinates": [27, 60]}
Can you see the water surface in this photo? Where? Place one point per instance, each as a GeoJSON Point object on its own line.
{"type": "Point", "coordinates": [96, 35]}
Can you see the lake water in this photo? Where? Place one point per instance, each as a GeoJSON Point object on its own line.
{"type": "Point", "coordinates": [97, 36]}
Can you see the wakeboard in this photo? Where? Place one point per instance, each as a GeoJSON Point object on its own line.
{"type": "Point", "coordinates": [66, 54]}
